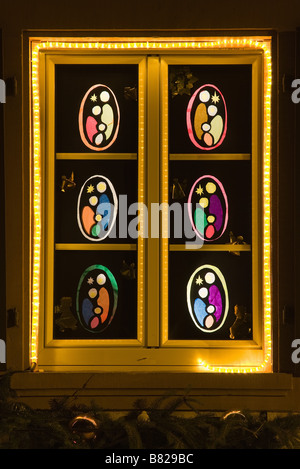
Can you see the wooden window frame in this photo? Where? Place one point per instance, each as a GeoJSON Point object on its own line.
{"type": "Point", "coordinates": [172, 354]}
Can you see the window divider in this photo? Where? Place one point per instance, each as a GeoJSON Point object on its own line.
{"type": "Point", "coordinates": [153, 196]}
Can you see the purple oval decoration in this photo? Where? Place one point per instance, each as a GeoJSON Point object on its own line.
{"type": "Point", "coordinates": [207, 298]}
{"type": "Point", "coordinates": [208, 208]}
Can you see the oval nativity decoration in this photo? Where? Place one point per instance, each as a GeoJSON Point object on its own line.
{"type": "Point", "coordinates": [97, 208]}
{"type": "Point", "coordinates": [207, 298]}
{"type": "Point", "coordinates": [208, 208]}
{"type": "Point", "coordinates": [97, 298]}
{"type": "Point", "coordinates": [206, 118]}
{"type": "Point", "coordinates": [99, 118]}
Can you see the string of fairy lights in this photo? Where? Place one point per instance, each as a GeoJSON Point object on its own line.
{"type": "Point", "coordinates": [109, 45]}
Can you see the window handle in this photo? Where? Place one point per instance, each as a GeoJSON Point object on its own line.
{"type": "Point", "coordinates": [12, 317]}
{"type": "Point", "coordinates": [288, 315]}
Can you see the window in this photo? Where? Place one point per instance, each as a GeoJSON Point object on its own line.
{"type": "Point", "coordinates": [151, 204]}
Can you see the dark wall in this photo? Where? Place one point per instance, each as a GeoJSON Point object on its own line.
{"type": "Point", "coordinates": [143, 14]}
{"type": "Point", "coordinates": [2, 227]}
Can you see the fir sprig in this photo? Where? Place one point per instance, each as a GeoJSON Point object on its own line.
{"type": "Point", "coordinates": [158, 424]}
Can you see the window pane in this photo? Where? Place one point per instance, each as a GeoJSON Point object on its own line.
{"type": "Point", "coordinates": [89, 86]}
{"type": "Point", "coordinates": [95, 209]}
{"type": "Point", "coordinates": [211, 193]}
{"type": "Point", "coordinates": [96, 180]}
{"type": "Point", "coordinates": [209, 94]}
{"type": "Point", "coordinates": [204, 288]}
{"type": "Point", "coordinates": [95, 295]}
{"type": "Point", "coordinates": [210, 186]}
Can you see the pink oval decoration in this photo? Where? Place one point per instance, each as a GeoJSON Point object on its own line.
{"type": "Point", "coordinates": [210, 231]}
{"type": "Point", "coordinates": [207, 141]}
{"type": "Point", "coordinates": [91, 123]}
{"type": "Point", "coordinates": [94, 322]}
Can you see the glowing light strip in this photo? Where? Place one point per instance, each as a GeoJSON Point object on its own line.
{"type": "Point", "coordinates": [141, 198]}
{"type": "Point", "coordinates": [163, 44]}
{"type": "Point", "coordinates": [216, 43]}
{"type": "Point", "coordinates": [164, 220]}
{"type": "Point", "coordinates": [267, 206]}
{"type": "Point", "coordinates": [267, 361]}
{"type": "Point", "coordinates": [36, 253]}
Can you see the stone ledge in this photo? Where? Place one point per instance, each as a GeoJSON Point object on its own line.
{"type": "Point", "coordinates": [119, 391]}
{"type": "Point", "coordinates": [277, 382]}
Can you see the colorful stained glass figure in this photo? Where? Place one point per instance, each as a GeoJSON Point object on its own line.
{"type": "Point", "coordinates": [206, 117]}
{"type": "Point", "coordinates": [99, 118]}
{"type": "Point", "coordinates": [97, 208]}
{"type": "Point", "coordinates": [207, 298]}
{"type": "Point", "coordinates": [97, 298]}
{"type": "Point", "coordinates": [208, 208]}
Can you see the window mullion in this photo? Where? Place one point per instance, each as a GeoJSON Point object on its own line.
{"type": "Point", "coordinates": [153, 200]}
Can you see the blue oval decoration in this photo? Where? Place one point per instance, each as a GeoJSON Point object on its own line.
{"type": "Point", "coordinates": [97, 208]}
{"type": "Point", "coordinates": [97, 298]}
{"type": "Point", "coordinates": [207, 298]}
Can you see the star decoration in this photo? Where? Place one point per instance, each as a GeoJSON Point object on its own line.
{"type": "Point", "coordinates": [199, 280]}
{"type": "Point", "coordinates": [199, 191]}
{"type": "Point", "coordinates": [90, 189]}
{"type": "Point", "coordinates": [94, 98]}
{"type": "Point", "coordinates": [215, 98]}
{"type": "Point", "coordinates": [90, 281]}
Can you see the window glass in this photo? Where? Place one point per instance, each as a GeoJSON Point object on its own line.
{"type": "Point", "coordinates": [96, 178]}
{"type": "Point", "coordinates": [210, 178]}
{"type": "Point", "coordinates": [103, 90]}
{"type": "Point", "coordinates": [212, 94]}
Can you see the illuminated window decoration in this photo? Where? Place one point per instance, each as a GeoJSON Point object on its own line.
{"type": "Point", "coordinates": [97, 208]}
{"type": "Point", "coordinates": [99, 118]}
{"type": "Point", "coordinates": [208, 208]}
{"type": "Point", "coordinates": [206, 117]}
{"type": "Point", "coordinates": [97, 298]}
{"type": "Point", "coordinates": [207, 298]}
